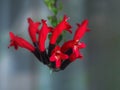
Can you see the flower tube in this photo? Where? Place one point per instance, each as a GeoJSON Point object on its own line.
{"type": "Point", "coordinates": [63, 25]}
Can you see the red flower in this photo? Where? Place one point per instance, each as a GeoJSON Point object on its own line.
{"type": "Point", "coordinates": [57, 56]}
{"type": "Point", "coordinates": [33, 29]}
{"type": "Point", "coordinates": [18, 41]}
{"type": "Point", "coordinates": [74, 44]}
{"type": "Point", "coordinates": [43, 35]}
{"type": "Point", "coordinates": [76, 54]}
{"type": "Point", "coordinates": [81, 30]}
{"type": "Point", "coordinates": [63, 25]}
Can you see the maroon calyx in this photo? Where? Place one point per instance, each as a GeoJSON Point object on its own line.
{"type": "Point", "coordinates": [50, 48]}
{"type": "Point", "coordinates": [45, 57]}
{"type": "Point", "coordinates": [65, 63]}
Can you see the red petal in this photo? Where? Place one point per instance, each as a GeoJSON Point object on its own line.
{"type": "Point", "coordinates": [81, 30]}
{"type": "Point", "coordinates": [75, 56]}
{"type": "Point", "coordinates": [58, 64]}
{"type": "Point", "coordinates": [63, 25]}
{"type": "Point", "coordinates": [43, 21]}
{"type": "Point", "coordinates": [30, 20]}
{"type": "Point", "coordinates": [12, 40]}
{"type": "Point", "coordinates": [57, 48]}
{"type": "Point", "coordinates": [52, 58]}
{"type": "Point", "coordinates": [65, 18]}
{"type": "Point", "coordinates": [76, 51]}
{"type": "Point", "coordinates": [16, 47]}
{"type": "Point", "coordinates": [81, 45]}
{"type": "Point", "coordinates": [64, 56]}
{"type": "Point", "coordinates": [11, 44]}
{"type": "Point", "coordinates": [18, 41]}
{"type": "Point", "coordinates": [72, 57]}
{"type": "Point", "coordinates": [33, 29]}
{"type": "Point", "coordinates": [43, 35]}
{"type": "Point", "coordinates": [24, 44]}
{"type": "Point", "coordinates": [11, 35]}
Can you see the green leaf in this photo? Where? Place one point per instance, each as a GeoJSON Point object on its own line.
{"type": "Point", "coordinates": [52, 1]}
{"type": "Point", "coordinates": [50, 18]}
{"type": "Point", "coordinates": [55, 10]}
{"type": "Point", "coordinates": [59, 39]}
{"type": "Point", "coordinates": [54, 23]}
{"type": "Point", "coordinates": [53, 20]}
{"type": "Point", "coordinates": [50, 6]}
{"type": "Point", "coordinates": [60, 6]}
{"type": "Point", "coordinates": [46, 2]}
{"type": "Point", "coordinates": [49, 36]}
{"type": "Point", "coordinates": [60, 19]}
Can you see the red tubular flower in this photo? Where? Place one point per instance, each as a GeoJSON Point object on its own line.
{"type": "Point", "coordinates": [75, 46]}
{"type": "Point", "coordinates": [63, 25]}
{"type": "Point", "coordinates": [18, 41]}
{"type": "Point", "coordinates": [76, 54]}
{"type": "Point", "coordinates": [43, 35]}
{"type": "Point", "coordinates": [57, 56]}
{"type": "Point", "coordinates": [81, 30]}
{"type": "Point", "coordinates": [33, 29]}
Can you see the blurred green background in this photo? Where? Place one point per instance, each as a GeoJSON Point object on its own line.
{"type": "Point", "coordinates": [100, 68]}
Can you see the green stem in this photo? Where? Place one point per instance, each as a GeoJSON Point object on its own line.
{"type": "Point", "coordinates": [52, 6]}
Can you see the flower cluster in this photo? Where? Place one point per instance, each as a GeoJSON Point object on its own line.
{"type": "Point", "coordinates": [56, 57]}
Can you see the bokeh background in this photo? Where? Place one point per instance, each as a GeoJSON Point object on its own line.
{"type": "Point", "coordinates": [100, 68]}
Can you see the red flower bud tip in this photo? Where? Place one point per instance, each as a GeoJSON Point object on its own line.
{"type": "Point", "coordinates": [43, 34]}
{"type": "Point", "coordinates": [57, 56]}
{"type": "Point", "coordinates": [18, 41]}
{"type": "Point", "coordinates": [73, 57]}
{"type": "Point", "coordinates": [33, 29]}
{"type": "Point", "coordinates": [81, 30]}
{"type": "Point", "coordinates": [63, 25]}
